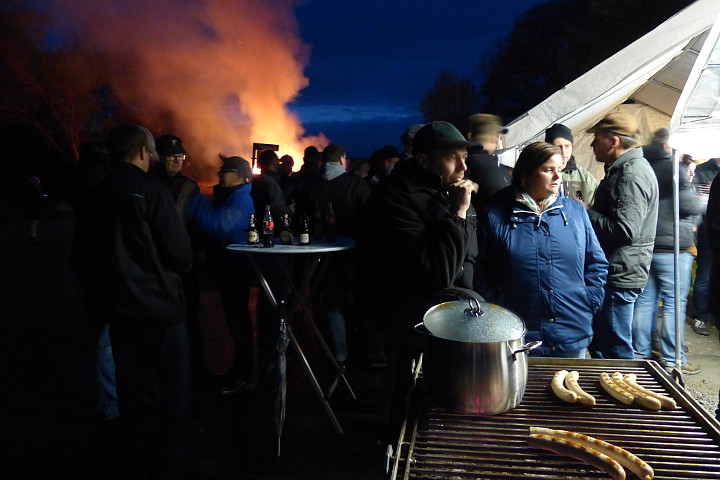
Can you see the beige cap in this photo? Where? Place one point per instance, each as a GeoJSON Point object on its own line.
{"type": "Point", "coordinates": [617, 122]}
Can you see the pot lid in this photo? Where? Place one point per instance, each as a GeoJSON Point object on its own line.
{"type": "Point", "coordinates": [469, 320]}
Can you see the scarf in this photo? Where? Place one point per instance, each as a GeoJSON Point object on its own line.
{"type": "Point", "coordinates": [539, 208]}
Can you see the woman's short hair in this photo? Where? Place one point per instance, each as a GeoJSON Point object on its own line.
{"type": "Point", "coordinates": [530, 159]}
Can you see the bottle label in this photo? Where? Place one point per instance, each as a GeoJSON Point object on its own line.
{"type": "Point", "coordinates": [268, 227]}
{"type": "Point", "coordinates": [286, 236]}
{"type": "Point", "coordinates": [304, 238]}
{"type": "Point", "coordinates": [253, 236]}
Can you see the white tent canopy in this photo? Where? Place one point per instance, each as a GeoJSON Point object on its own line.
{"type": "Point", "coordinates": [664, 71]}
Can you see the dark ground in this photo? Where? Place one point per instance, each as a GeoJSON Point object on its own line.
{"type": "Point", "coordinates": [47, 425]}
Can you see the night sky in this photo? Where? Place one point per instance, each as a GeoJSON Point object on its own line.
{"type": "Point", "coordinates": [371, 61]}
{"type": "Point", "coordinates": [230, 70]}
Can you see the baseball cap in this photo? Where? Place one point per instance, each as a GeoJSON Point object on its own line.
{"type": "Point", "coordinates": [236, 165]}
{"type": "Point", "coordinates": [617, 122]}
{"type": "Point", "coordinates": [170, 145]}
{"type": "Point", "coordinates": [438, 135]}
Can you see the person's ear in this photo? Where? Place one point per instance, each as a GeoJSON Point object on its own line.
{"type": "Point", "coordinates": [422, 160]}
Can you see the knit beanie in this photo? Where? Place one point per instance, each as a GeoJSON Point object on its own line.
{"type": "Point", "coordinates": [558, 130]}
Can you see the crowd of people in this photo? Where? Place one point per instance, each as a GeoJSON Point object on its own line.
{"type": "Point", "coordinates": [585, 263]}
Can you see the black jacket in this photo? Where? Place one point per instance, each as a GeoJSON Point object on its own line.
{"type": "Point", "coordinates": [266, 191]}
{"type": "Point", "coordinates": [712, 222]}
{"type": "Point", "coordinates": [705, 173]}
{"type": "Point", "coordinates": [412, 246]}
{"type": "Point", "coordinates": [484, 169]}
{"type": "Point", "coordinates": [690, 206]}
{"type": "Point", "coordinates": [143, 248]}
{"type": "Point", "coordinates": [348, 194]}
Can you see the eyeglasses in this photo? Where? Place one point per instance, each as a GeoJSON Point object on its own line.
{"type": "Point", "coordinates": [175, 158]}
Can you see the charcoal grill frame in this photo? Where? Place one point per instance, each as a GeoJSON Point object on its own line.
{"type": "Point", "coordinates": [440, 444]}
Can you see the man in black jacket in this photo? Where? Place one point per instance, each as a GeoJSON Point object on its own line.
{"type": "Point", "coordinates": [418, 243]}
{"type": "Point", "coordinates": [347, 193]}
{"type": "Point", "coordinates": [266, 188]}
{"type": "Point", "coordinates": [483, 166]}
{"type": "Point", "coordinates": [168, 171]}
{"type": "Point", "coordinates": [713, 237]}
{"type": "Point", "coordinates": [144, 249]}
{"type": "Point", "coordinates": [704, 175]}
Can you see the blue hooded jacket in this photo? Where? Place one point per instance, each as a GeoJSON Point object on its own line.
{"type": "Point", "coordinates": [549, 269]}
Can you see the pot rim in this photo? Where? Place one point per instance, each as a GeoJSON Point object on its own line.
{"type": "Point", "coordinates": [421, 328]}
{"type": "Point", "coordinates": [455, 320]}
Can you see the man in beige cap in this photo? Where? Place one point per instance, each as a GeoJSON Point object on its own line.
{"type": "Point", "coordinates": [624, 217]}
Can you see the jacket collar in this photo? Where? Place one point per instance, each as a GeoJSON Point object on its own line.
{"type": "Point", "coordinates": [333, 170]}
{"type": "Point", "coordinates": [221, 194]}
{"type": "Point", "coordinates": [626, 157]}
{"type": "Point", "coordinates": [416, 178]}
{"type": "Point", "coordinates": [570, 165]}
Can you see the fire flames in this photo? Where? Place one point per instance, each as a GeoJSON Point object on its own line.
{"type": "Point", "coordinates": [217, 73]}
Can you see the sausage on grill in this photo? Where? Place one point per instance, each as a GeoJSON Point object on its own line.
{"type": "Point", "coordinates": [617, 392]}
{"type": "Point", "coordinates": [577, 451]}
{"type": "Point", "coordinates": [558, 387]}
{"type": "Point", "coordinates": [584, 398]}
{"type": "Point", "coordinates": [636, 465]}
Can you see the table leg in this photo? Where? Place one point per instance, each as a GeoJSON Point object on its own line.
{"type": "Point", "coordinates": [314, 382]}
{"type": "Point", "coordinates": [293, 340]}
{"type": "Point", "coordinates": [304, 304]}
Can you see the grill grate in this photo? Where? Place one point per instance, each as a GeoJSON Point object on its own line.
{"type": "Point", "coordinates": [681, 444]}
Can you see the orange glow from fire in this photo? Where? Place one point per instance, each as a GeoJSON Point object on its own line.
{"type": "Point", "coordinates": [218, 73]}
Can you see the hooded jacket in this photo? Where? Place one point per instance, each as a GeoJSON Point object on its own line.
{"type": "Point", "coordinates": [624, 217]}
{"type": "Point", "coordinates": [577, 179]}
{"type": "Point", "coordinates": [549, 269]}
{"type": "Point", "coordinates": [347, 193]}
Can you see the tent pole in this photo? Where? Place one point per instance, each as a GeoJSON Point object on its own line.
{"type": "Point", "coordinates": [679, 322]}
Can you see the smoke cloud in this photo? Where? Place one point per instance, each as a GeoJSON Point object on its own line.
{"type": "Point", "coordinates": [218, 73]}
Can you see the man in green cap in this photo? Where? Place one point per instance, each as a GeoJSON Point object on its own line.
{"type": "Point", "coordinates": [418, 244]}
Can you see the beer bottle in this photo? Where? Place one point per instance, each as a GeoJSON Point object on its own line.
{"type": "Point", "coordinates": [317, 222]}
{"type": "Point", "coordinates": [304, 230]}
{"type": "Point", "coordinates": [286, 234]}
{"type": "Point", "coordinates": [330, 230]}
{"type": "Point", "coordinates": [268, 228]}
{"type": "Point", "coordinates": [252, 235]}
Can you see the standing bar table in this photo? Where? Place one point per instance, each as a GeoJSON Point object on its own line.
{"type": "Point", "coordinates": [313, 260]}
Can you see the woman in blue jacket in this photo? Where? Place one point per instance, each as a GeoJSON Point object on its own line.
{"type": "Point", "coordinates": [539, 256]}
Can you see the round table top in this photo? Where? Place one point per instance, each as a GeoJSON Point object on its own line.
{"type": "Point", "coordinates": [316, 246]}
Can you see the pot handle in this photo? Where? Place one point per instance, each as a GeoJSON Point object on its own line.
{"type": "Point", "coordinates": [421, 328]}
{"type": "Point", "coordinates": [526, 348]}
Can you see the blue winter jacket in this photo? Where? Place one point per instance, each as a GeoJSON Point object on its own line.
{"type": "Point", "coordinates": [549, 269]}
{"type": "Point", "coordinates": [224, 219]}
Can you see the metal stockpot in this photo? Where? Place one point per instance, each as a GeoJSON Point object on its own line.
{"type": "Point", "coordinates": [475, 358]}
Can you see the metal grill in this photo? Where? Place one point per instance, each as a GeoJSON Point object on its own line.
{"type": "Point", "coordinates": [439, 444]}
